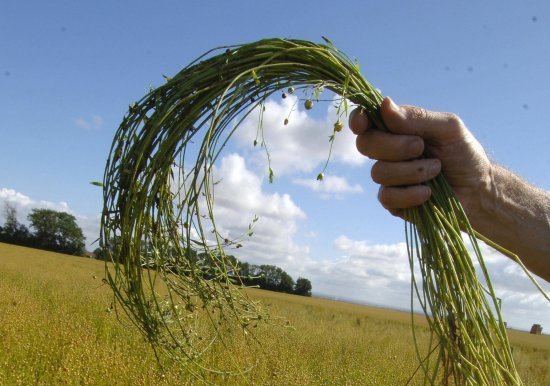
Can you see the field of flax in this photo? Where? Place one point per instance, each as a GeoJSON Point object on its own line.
{"type": "Point", "coordinates": [56, 328]}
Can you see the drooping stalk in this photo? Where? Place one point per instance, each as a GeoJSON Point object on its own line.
{"type": "Point", "coordinates": [171, 264]}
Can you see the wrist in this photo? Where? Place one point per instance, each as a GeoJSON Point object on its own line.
{"type": "Point", "coordinates": [483, 205]}
{"type": "Point", "coordinates": [515, 215]}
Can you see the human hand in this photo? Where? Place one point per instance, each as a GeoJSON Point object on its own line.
{"type": "Point", "coordinates": [399, 168]}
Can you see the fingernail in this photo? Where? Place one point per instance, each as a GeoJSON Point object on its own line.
{"type": "Point", "coordinates": [395, 108]}
{"type": "Point", "coordinates": [435, 167]}
{"type": "Point", "coordinates": [358, 121]}
{"type": "Point", "coordinates": [416, 147]}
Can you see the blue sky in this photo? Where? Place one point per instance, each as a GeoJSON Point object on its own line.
{"type": "Point", "coordinates": [68, 71]}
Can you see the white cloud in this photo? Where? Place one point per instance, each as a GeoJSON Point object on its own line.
{"type": "Point", "coordinates": [363, 271]}
{"type": "Point", "coordinates": [95, 122]}
{"type": "Point", "coordinates": [239, 198]}
{"type": "Point", "coordinates": [379, 273]}
{"type": "Point", "coordinates": [24, 205]}
{"type": "Point", "coordinates": [303, 144]}
{"type": "Point", "coordinates": [330, 186]}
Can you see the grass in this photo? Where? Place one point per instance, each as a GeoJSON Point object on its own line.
{"type": "Point", "coordinates": [55, 329]}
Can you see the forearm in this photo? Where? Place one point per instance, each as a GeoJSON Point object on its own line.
{"type": "Point", "coordinates": [516, 215]}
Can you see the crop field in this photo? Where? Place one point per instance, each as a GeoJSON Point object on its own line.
{"type": "Point", "coordinates": [56, 328]}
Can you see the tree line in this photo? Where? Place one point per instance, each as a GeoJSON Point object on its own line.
{"type": "Point", "coordinates": [273, 278]}
{"type": "Point", "coordinates": [265, 276]}
{"type": "Point", "coordinates": [49, 229]}
{"type": "Point", "coordinates": [58, 232]}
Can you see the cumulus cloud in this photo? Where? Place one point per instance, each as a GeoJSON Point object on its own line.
{"type": "Point", "coordinates": [380, 274]}
{"type": "Point", "coordinates": [363, 271]}
{"type": "Point", "coordinates": [330, 186]}
{"type": "Point", "coordinates": [522, 303]}
{"type": "Point", "coordinates": [303, 144]}
{"type": "Point", "coordinates": [23, 204]}
{"type": "Point", "coordinates": [239, 198]}
{"type": "Point", "coordinates": [94, 122]}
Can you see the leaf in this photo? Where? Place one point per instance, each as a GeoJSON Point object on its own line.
{"type": "Point", "coordinates": [166, 77]}
{"type": "Point", "coordinates": [271, 174]}
{"type": "Point", "coordinates": [255, 76]}
{"type": "Point", "coordinates": [327, 40]}
{"type": "Point", "coordinates": [97, 183]}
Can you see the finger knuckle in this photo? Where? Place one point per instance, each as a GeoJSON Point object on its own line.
{"type": "Point", "coordinates": [417, 113]}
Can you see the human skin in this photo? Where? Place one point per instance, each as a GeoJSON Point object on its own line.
{"type": "Point", "coordinates": [499, 204]}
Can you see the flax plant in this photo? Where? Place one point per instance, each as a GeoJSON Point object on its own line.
{"type": "Point", "coordinates": [171, 270]}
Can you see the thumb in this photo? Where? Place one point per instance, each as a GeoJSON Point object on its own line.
{"type": "Point", "coordinates": [412, 120]}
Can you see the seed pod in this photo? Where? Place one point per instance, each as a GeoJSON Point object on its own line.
{"type": "Point", "coordinates": [338, 126]}
{"type": "Point", "coordinates": [308, 104]}
{"type": "Point", "coordinates": [291, 90]}
{"type": "Point", "coordinates": [286, 121]}
{"type": "Point", "coordinates": [284, 95]}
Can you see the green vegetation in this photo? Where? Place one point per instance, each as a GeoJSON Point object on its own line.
{"type": "Point", "coordinates": [159, 203]}
{"type": "Point", "coordinates": [53, 231]}
{"type": "Point", "coordinates": [265, 276]}
{"type": "Point", "coordinates": [57, 328]}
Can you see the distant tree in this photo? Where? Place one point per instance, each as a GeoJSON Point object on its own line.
{"type": "Point", "coordinates": [13, 232]}
{"type": "Point", "coordinates": [250, 274]}
{"type": "Point", "coordinates": [273, 278]}
{"type": "Point", "coordinates": [244, 270]}
{"type": "Point", "coordinates": [269, 278]}
{"type": "Point", "coordinates": [109, 250]}
{"type": "Point", "coordinates": [99, 254]}
{"type": "Point", "coordinates": [57, 231]}
{"type": "Point", "coordinates": [286, 283]}
{"type": "Point", "coordinates": [302, 287]}
{"type": "Point", "coordinates": [211, 263]}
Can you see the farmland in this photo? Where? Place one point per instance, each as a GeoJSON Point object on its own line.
{"type": "Point", "coordinates": [57, 327]}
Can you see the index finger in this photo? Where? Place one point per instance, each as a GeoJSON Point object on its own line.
{"type": "Point", "coordinates": [413, 120]}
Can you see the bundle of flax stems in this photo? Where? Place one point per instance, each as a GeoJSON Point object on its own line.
{"type": "Point", "coordinates": [172, 270]}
